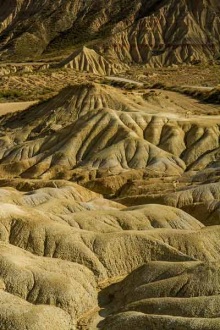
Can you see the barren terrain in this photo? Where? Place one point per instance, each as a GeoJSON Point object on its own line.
{"type": "Point", "coordinates": [109, 165]}
{"type": "Point", "coordinates": [124, 251]}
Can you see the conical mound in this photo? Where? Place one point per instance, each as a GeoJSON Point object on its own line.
{"type": "Point", "coordinates": [87, 59]}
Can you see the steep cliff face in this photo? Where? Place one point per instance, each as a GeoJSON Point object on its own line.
{"type": "Point", "coordinates": [155, 32]}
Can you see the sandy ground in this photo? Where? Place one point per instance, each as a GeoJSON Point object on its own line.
{"type": "Point", "coordinates": [14, 106]}
{"type": "Point", "coordinates": [124, 80]}
{"type": "Point", "coordinates": [204, 88]}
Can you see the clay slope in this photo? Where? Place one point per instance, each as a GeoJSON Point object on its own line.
{"type": "Point", "coordinates": [201, 201]}
{"type": "Point", "coordinates": [197, 194]}
{"type": "Point", "coordinates": [88, 60]}
{"type": "Point", "coordinates": [171, 33]}
{"type": "Point", "coordinates": [155, 32]}
{"type": "Point", "coordinates": [89, 128]}
{"type": "Point", "coordinates": [159, 294]}
{"type": "Point", "coordinates": [60, 245]}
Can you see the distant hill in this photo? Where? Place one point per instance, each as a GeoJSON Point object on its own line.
{"type": "Point", "coordinates": [154, 32]}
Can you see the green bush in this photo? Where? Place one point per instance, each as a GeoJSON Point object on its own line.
{"type": "Point", "coordinates": [11, 94]}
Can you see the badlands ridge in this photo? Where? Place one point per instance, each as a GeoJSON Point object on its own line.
{"type": "Point", "coordinates": [154, 32]}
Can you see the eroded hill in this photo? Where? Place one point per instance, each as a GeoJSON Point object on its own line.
{"type": "Point", "coordinates": [109, 211]}
{"type": "Point", "coordinates": [90, 128]}
{"type": "Point", "coordinates": [62, 246]}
